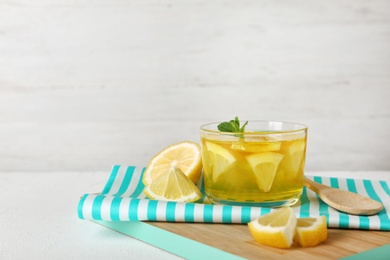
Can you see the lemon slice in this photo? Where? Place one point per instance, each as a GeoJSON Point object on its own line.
{"type": "Point", "coordinates": [264, 165]}
{"type": "Point", "coordinates": [184, 155]}
{"type": "Point", "coordinates": [274, 229]}
{"type": "Point", "coordinates": [257, 147]}
{"type": "Point", "coordinates": [221, 159]}
{"type": "Point", "coordinates": [173, 185]}
{"type": "Point", "coordinates": [311, 231]}
{"type": "Point", "coordinates": [296, 153]}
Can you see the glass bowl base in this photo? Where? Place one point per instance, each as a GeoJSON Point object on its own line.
{"type": "Point", "coordinates": [270, 203]}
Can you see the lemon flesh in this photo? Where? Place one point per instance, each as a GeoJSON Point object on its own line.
{"type": "Point", "coordinates": [264, 166]}
{"type": "Point", "coordinates": [173, 185]}
{"type": "Point", "coordinates": [221, 159]}
{"type": "Point", "coordinates": [251, 147]}
{"type": "Point", "coordinates": [275, 229]}
{"type": "Point", "coordinates": [296, 152]}
{"type": "Point", "coordinates": [184, 155]}
{"type": "Point", "coordinates": [311, 231]}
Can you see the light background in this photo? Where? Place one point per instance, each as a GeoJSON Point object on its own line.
{"type": "Point", "coordinates": [87, 84]}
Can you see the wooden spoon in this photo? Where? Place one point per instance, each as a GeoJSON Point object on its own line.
{"type": "Point", "coordinates": [344, 201]}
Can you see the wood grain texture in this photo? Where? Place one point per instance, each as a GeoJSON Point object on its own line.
{"type": "Point", "coordinates": [237, 240]}
{"type": "Point", "coordinates": [84, 85]}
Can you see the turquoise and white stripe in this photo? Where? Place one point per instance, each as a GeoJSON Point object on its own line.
{"type": "Point", "coordinates": [122, 200]}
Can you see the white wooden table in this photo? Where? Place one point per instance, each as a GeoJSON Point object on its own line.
{"type": "Point", "coordinates": [88, 84]}
{"type": "Point", "coordinates": [38, 218]}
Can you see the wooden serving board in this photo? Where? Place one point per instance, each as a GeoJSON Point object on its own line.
{"type": "Point", "coordinates": [236, 239]}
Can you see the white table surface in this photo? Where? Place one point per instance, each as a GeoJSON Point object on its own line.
{"type": "Point", "coordinates": [38, 218]}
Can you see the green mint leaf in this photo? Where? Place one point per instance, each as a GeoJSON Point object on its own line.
{"type": "Point", "coordinates": [242, 129]}
{"type": "Point", "coordinates": [232, 126]}
{"type": "Point", "coordinates": [235, 125]}
{"type": "Point", "coordinates": [226, 127]}
{"type": "Point", "coordinates": [237, 121]}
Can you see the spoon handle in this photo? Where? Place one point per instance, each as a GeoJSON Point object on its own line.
{"type": "Point", "coordinates": [314, 186]}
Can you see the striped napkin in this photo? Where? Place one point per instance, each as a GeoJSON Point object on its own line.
{"type": "Point", "coordinates": [122, 199]}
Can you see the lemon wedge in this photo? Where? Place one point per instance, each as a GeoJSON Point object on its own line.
{"type": "Point", "coordinates": [256, 147]}
{"type": "Point", "coordinates": [296, 153]}
{"type": "Point", "coordinates": [173, 185]}
{"type": "Point", "coordinates": [281, 228]}
{"type": "Point", "coordinates": [311, 231]}
{"type": "Point", "coordinates": [274, 229]}
{"type": "Point", "coordinates": [264, 166]}
{"type": "Point", "coordinates": [184, 155]}
{"type": "Point", "coordinates": [221, 159]}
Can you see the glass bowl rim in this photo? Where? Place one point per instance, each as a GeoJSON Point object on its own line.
{"type": "Point", "coordinates": [302, 128]}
